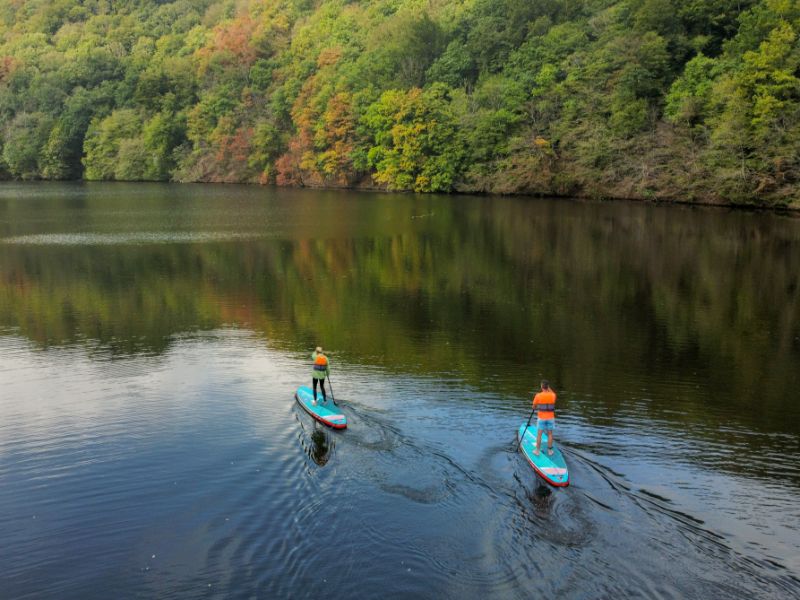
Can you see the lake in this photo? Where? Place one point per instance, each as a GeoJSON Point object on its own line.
{"type": "Point", "coordinates": [152, 338]}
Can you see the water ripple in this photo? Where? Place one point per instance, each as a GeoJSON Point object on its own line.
{"type": "Point", "coordinates": [129, 238]}
{"type": "Point", "coordinates": [198, 475]}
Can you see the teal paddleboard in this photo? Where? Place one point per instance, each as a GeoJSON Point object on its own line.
{"type": "Point", "coordinates": [553, 469]}
{"type": "Point", "coordinates": [327, 413]}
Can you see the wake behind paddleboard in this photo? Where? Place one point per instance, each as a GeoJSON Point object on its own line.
{"type": "Point", "coordinates": [553, 469]}
{"type": "Point", "coordinates": [329, 413]}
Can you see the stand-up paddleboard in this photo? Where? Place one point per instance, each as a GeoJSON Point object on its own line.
{"type": "Point", "coordinates": [329, 413]}
{"type": "Point", "coordinates": [553, 469]}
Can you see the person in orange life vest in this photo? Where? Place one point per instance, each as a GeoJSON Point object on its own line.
{"type": "Point", "coordinates": [545, 403]}
{"type": "Point", "coordinates": [322, 368]}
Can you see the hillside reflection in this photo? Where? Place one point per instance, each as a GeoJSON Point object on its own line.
{"type": "Point", "coordinates": [686, 306]}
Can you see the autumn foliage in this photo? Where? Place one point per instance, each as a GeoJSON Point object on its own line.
{"type": "Point", "coordinates": [633, 98]}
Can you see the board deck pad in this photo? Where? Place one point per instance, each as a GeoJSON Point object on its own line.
{"type": "Point", "coordinates": [553, 469]}
{"type": "Point", "coordinates": [327, 413]}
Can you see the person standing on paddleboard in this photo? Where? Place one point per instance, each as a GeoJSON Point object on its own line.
{"type": "Point", "coordinates": [322, 369]}
{"type": "Point", "coordinates": [545, 403]}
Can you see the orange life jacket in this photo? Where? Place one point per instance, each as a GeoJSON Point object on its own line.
{"type": "Point", "coordinates": [321, 363]}
{"type": "Point", "coordinates": [545, 403]}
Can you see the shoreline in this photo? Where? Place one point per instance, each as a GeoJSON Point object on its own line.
{"type": "Point", "coordinates": [786, 209]}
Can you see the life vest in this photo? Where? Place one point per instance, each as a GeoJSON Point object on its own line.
{"type": "Point", "coordinates": [321, 363]}
{"type": "Point", "coordinates": [546, 409]}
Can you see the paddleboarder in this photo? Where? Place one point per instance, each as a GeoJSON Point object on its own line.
{"type": "Point", "coordinates": [322, 368]}
{"type": "Point", "coordinates": [545, 403]}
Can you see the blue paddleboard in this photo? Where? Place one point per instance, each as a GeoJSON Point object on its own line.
{"type": "Point", "coordinates": [553, 469]}
{"type": "Point", "coordinates": [329, 413]}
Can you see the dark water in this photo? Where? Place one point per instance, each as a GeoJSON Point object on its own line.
{"type": "Point", "coordinates": [151, 339]}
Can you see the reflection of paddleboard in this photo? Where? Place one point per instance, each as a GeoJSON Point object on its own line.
{"type": "Point", "coordinates": [328, 413]}
{"type": "Point", "coordinates": [553, 469]}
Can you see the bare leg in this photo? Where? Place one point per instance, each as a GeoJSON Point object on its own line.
{"type": "Point", "coordinates": [538, 442]}
{"type": "Point", "coordinates": [550, 443]}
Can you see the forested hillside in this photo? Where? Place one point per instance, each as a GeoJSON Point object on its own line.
{"type": "Point", "coordinates": [684, 99]}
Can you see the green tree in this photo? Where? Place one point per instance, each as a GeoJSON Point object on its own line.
{"type": "Point", "coordinates": [690, 94]}
{"type": "Point", "coordinates": [416, 142]}
{"type": "Point", "coordinates": [103, 144]}
{"type": "Point", "coordinates": [23, 140]}
{"type": "Point", "coordinates": [161, 135]}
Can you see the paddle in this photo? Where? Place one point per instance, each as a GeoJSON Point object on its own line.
{"type": "Point", "coordinates": [330, 385]}
{"type": "Point", "coordinates": [524, 431]}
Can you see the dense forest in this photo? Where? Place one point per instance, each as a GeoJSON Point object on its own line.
{"type": "Point", "coordinates": [695, 100]}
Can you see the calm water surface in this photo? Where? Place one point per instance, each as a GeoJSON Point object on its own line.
{"type": "Point", "coordinates": [152, 337]}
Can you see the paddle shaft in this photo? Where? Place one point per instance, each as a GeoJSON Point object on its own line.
{"type": "Point", "coordinates": [524, 431]}
{"type": "Point", "coordinates": [330, 385]}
